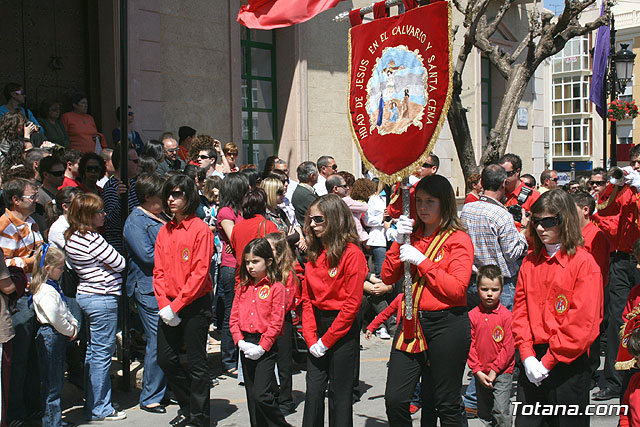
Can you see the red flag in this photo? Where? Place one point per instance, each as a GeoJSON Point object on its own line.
{"type": "Point", "coordinates": [269, 14]}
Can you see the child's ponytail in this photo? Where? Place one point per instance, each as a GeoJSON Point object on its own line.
{"type": "Point", "coordinates": [46, 255]}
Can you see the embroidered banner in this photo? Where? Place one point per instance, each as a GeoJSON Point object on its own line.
{"type": "Point", "coordinates": [400, 71]}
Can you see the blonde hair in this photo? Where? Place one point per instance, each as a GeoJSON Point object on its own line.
{"type": "Point", "coordinates": [271, 186]}
{"type": "Point", "coordinates": [283, 255]}
{"type": "Point", "coordinates": [52, 258]}
{"type": "Point", "coordinates": [228, 147]}
{"type": "Point", "coordinates": [81, 211]}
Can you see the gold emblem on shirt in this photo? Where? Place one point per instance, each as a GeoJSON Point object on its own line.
{"type": "Point", "coordinates": [185, 254]}
{"type": "Point", "coordinates": [264, 291]}
{"type": "Point", "coordinates": [562, 303]}
{"type": "Point", "coordinates": [333, 272]}
{"type": "Point", "coordinates": [498, 333]}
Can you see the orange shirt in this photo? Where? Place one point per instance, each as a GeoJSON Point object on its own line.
{"type": "Point", "coordinates": [182, 257]}
{"type": "Point", "coordinates": [333, 289]}
{"type": "Point", "coordinates": [447, 279]}
{"type": "Point", "coordinates": [81, 129]}
{"type": "Point", "coordinates": [558, 302]}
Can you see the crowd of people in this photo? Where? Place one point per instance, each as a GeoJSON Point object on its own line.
{"type": "Point", "coordinates": [523, 280]}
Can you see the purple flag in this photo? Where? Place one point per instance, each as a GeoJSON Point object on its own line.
{"type": "Point", "coordinates": [600, 59]}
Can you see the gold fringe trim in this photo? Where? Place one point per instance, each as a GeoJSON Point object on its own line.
{"type": "Point", "coordinates": [626, 365]}
{"type": "Point", "coordinates": [612, 197]}
{"type": "Point", "coordinates": [413, 167]}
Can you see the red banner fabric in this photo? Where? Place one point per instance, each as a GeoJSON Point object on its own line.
{"type": "Point", "coordinates": [269, 14]}
{"type": "Point", "coordinates": [399, 91]}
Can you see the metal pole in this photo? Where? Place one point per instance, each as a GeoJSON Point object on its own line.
{"type": "Point", "coordinates": [613, 86]}
{"type": "Point", "coordinates": [406, 210]}
{"type": "Point", "coordinates": [124, 198]}
{"type": "Point", "coordinates": [343, 16]}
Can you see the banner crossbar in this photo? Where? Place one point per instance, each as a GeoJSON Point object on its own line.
{"type": "Point", "coordinates": [344, 16]}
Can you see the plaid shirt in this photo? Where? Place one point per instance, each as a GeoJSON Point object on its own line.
{"type": "Point", "coordinates": [496, 240]}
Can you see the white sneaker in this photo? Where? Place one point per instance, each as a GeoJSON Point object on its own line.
{"type": "Point", "coordinates": [382, 333]}
{"type": "Point", "coordinates": [116, 416]}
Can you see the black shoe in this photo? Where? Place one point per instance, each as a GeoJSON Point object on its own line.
{"type": "Point", "coordinates": [214, 382]}
{"type": "Point", "coordinates": [160, 409]}
{"type": "Point", "coordinates": [287, 409]}
{"type": "Point", "coordinates": [605, 394]}
{"type": "Point", "coordinates": [594, 384]}
{"type": "Point", "coordinates": [166, 401]}
{"type": "Point", "coordinates": [179, 421]}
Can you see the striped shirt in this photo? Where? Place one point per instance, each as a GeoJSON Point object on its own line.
{"type": "Point", "coordinates": [113, 221]}
{"type": "Point", "coordinates": [496, 240]}
{"type": "Point", "coordinates": [19, 240]}
{"type": "Point", "coordinates": [97, 263]}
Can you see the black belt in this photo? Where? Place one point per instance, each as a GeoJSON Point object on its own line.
{"type": "Point", "coordinates": [437, 314]}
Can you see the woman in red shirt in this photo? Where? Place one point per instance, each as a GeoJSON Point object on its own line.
{"type": "Point", "coordinates": [441, 254]}
{"type": "Point", "coordinates": [556, 313]}
{"type": "Point", "coordinates": [183, 288]}
{"type": "Point", "coordinates": [257, 318]}
{"type": "Point", "coordinates": [331, 299]}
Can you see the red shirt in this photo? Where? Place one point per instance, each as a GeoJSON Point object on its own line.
{"type": "Point", "coordinates": [632, 301]}
{"type": "Point", "coordinates": [631, 398]}
{"type": "Point", "coordinates": [628, 230]}
{"type": "Point", "coordinates": [596, 243]}
{"type": "Point", "coordinates": [293, 292]}
{"type": "Point", "coordinates": [69, 182]}
{"type": "Point", "coordinates": [258, 308]}
{"type": "Point", "coordinates": [333, 289]}
{"type": "Point", "coordinates": [607, 219]}
{"type": "Point", "coordinates": [394, 210]}
{"type": "Point", "coordinates": [558, 302]}
{"type": "Point", "coordinates": [470, 198]}
{"type": "Point", "coordinates": [182, 256]}
{"type": "Point", "coordinates": [247, 230]}
{"type": "Point", "coordinates": [384, 315]}
{"type": "Point", "coordinates": [446, 279]}
{"type": "Point", "coordinates": [491, 340]}
{"type": "Point", "coordinates": [512, 199]}
{"type": "Point", "coordinates": [183, 152]}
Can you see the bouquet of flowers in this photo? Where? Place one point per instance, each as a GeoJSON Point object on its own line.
{"type": "Point", "coordinates": [620, 110]}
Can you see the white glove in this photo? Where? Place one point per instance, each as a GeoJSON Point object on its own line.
{"type": "Point", "coordinates": [254, 353]}
{"type": "Point", "coordinates": [631, 177]}
{"type": "Point", "coordinates": [169, 317]}
{"type": "Point", "coordinates": [318, 349]}
{"type": "Point", "coordinates": [244, 346]}
{"type": "Point", "coordinates": [404, 227]}
{"type": "Point", "coordinates": [535, 370]}
{"type": "Point", "coordinates": [411, 254]}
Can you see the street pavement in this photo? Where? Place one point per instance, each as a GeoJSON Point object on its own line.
{"type": "Point", "coordinates": [229, 405]}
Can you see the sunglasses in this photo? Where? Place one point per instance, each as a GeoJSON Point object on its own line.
{"type": "Point", "coordinates": [554, 179]}
{"type": "Point", "coordinates": [56, 173]}
{"type": "Point", "coordinates": [136, 161]}
{"type": "Point", "coordinates": [100, 212]}
{"type": "Point", "coordinates": [511, 173]}
{"type": "Point", "coordinates": [176, 194]}
{"type": "Point", "coordinates": [550, 221]}
{"type": "Point", "coordinates": [232, 154]}
{"type": "Point", "coordinates": [31, 197]}
{"type": "Point", "coordinates": [19, 92]}
{"type": "Point", "coordinates": [130, 113]}
{"type": "Point", "coordinates": [172, 150]}
{"type": "Point", "coordinates": [204, 157]}
{"type": "Point", "coordinates": [596, 182]}
{"type": "Point", "coordinates": [334, 167]}
{"type": "Point", "coordinates": [91, 169]}
{"type": "Point", "coordinates": [427, 165]}
{"type": "Point", "coordinates": [280, 192]}
{"type": "Point", "coordinates": [318, 219]}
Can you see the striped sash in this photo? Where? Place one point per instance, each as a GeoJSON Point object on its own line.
{"type": "Point", "coordinates": [411, 338]}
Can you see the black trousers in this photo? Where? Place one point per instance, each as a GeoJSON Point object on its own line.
{"type": "Point", "coordinates": [284, 359]}
{"type": "Point", "coordinates": [565, 385]}
{"type": "Point", "coordinates": [623, 276]}
{"type": "Point", "coordinates": [448, 335]}
{"type": "Point", "coordinates": [191, 389]}
{"type": "Point", "coordinates": [336, 368]}
{"type": "Point", "coordinates": [261, 386]}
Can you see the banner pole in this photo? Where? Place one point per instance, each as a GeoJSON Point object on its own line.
{"type": "Point", "coordinates": [406, 210]}
{"type": "Point", "coordinates": [344, 16]}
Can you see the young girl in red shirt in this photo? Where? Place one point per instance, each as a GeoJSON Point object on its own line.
{"type": "Point", "coordinates": [556, 313]}
{"type": "Point", "coordinates": [257, 317]}
{"type": "Point", "coordinates": [331, 298]}
{"type": "Point", "coordinates": [293, 296]}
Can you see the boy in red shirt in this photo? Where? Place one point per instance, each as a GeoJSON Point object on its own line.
{"type": "Point", "coordinates": [491, 356]}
